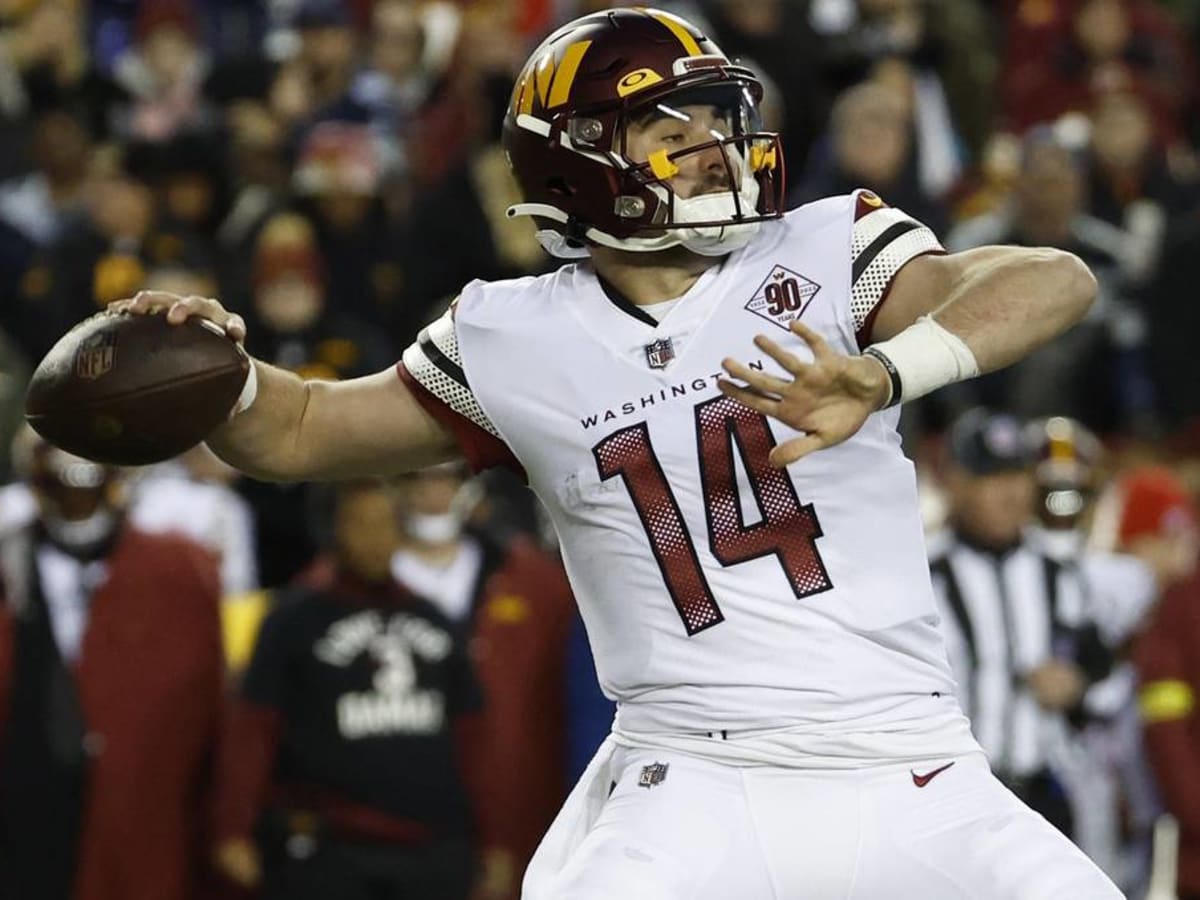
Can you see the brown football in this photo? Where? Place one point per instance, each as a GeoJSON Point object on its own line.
{"type": "Point", "coordinates": [133, 389]}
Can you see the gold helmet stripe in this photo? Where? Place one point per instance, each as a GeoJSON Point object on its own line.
{"type": "Point", "coordinates": [543, 75]}
{"type": "Point", "coordinates": [565, 77]}
{"type": "Point", "coordinates": [677, 29]}
{"type": "Point", "coordinates": [524, 102]}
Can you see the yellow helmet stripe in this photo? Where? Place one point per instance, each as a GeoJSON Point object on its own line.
{"type": "Point", "coordinates": [565, 77]}
{"type": "Point", "coordinates": [677, 29]}
{"type": "Point", "coordinates": [542, 76]}
{"type": "Point", "coordinates": [525, 103]}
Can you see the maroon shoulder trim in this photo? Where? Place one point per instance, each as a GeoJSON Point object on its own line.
{"type": "Point", "coordinates": [866, 202]}
{"type": "Point", "coordinates": [481, 449]}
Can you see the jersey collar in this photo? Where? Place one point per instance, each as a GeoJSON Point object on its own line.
{"type": "Point", "coordinates": [613, 320]}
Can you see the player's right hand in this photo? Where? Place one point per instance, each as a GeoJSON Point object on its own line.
{"type": "Point", "coordinates": [179, 308]}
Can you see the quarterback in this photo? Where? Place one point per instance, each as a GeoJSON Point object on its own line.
{"type": "Point", "coordinates": [705, 398]}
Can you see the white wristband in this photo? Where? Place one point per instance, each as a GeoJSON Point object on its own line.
{"type": "Point", "coordinates": [924, 357]}
{"type": "Point", "coordinates": [249, 391]}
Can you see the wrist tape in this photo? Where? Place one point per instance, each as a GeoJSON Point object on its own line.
{"type": "Point", "coordinates": [922, 358]}
{"type": "Point", "coordinates": [249, 392]}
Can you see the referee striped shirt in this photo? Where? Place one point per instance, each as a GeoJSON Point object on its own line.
{"type": "Point", "coordinates": [1003, 615]}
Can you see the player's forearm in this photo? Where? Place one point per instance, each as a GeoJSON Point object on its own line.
{"type": "Point", "coordinates": [263, 441]}
{"type": "Point", "coordinates": [1008, 301]}
{"type": "Point", "coordinates": [296, 430]}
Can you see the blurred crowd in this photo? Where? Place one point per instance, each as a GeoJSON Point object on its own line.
{"type": "Point", "coordinates": [211, 686]}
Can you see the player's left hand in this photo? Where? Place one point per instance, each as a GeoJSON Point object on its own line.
{"type": "Point", "coordinates": [1057, 685]}
{"type": "Point", "coordinates": [828, 399]}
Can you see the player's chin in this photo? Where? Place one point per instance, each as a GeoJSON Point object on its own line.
{"type": "Point", "coordinates": [708, 191]}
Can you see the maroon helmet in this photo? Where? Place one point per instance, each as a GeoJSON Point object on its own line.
{"type": "Point", "coordinates": [566, 135]}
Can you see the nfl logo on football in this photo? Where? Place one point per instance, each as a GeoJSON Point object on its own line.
{"type": "Point", "coordinates": [95, 358]}
{"type": "Point", "coordinates": [660, 353]}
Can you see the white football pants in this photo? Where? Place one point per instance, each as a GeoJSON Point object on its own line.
{"type": "Point", "coordinates": [711, 831]}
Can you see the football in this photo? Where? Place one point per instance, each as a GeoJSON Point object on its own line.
{"type": "Point", "coordinates": [131, 389]}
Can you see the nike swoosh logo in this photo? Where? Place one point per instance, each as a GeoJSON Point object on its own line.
{"type": "Point", "coordinates": [922, 780]}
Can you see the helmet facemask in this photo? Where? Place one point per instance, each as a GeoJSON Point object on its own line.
{"type": "Point", "coordinates": [699, 151]}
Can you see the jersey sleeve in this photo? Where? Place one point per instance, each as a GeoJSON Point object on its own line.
{"type": "Point", "coordinates": [432, 369]}
{"type": "Point", "coordinates": [884, 241]}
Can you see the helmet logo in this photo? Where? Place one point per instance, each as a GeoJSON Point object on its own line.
{"type": "Point", "coordinates": [549, 80]}
{"type": "Point", "coordinates": [637, 80]}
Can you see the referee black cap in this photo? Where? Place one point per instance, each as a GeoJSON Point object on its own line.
{"type": "Point", "coordinates": [986, 443]}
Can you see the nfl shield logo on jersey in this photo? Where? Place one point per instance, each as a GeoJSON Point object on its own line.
{"type": "Point", "coordinates": [660, 353]}
{"type": "Point", "coordinates": [783, 296]}
{"type": "Point", "coordinates": [655, 773]}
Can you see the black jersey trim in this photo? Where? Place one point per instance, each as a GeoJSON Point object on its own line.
{"type": "Point", "coordinates": [449, 367]}
{"type": "Point", "coordinates": [877, 246]}
{"type": "Point", "coordinates": [625, 305]}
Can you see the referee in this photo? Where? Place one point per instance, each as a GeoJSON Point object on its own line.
{"type": "Point", "coordinates": [1014, 616]}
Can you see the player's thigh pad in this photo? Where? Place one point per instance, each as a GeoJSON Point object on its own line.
{"type": "Point", "coordinates": [964, 835]}
{"type": "Point", "coordinates": [673, 828]}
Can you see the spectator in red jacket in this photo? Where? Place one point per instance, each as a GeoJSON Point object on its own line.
{"type": "Point", "coordinates": [1159, 524]}
{"type": "Point", "coordinates": [111, 685]}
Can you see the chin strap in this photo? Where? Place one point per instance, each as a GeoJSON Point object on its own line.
{"type": "Point", "coordinates": [553, 242]}
{"type": "Point", "coordinates": [726, 239]}
{"type": "Point", "coordinates": [545, 210]}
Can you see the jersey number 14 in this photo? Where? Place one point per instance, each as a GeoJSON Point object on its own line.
{"type": "Point", "coordinates": [786, 528]}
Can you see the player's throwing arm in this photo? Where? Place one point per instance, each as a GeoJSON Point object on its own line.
{"type": "Point", "coordinates": [947, 318]}
{"type": "Point", "coordinates": [287, 429]}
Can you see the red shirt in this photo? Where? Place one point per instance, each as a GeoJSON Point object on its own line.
{"type": "Point", "coordinates": [1168, 666]}
{"type": "Point", "coordinates": [150, 681]}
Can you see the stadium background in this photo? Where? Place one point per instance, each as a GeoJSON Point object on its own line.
{"type": "Point", "coordinates": [330, 169]}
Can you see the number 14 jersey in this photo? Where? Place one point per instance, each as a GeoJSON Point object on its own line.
{"type": "Point", "coordinates": [719, 594]}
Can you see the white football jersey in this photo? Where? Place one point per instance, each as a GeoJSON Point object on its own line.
{"type": "Point", "coordinates": [719, 593]}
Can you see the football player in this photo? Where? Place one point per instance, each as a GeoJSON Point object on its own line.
{"type": "Point", "coordinates": [705, 398]}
